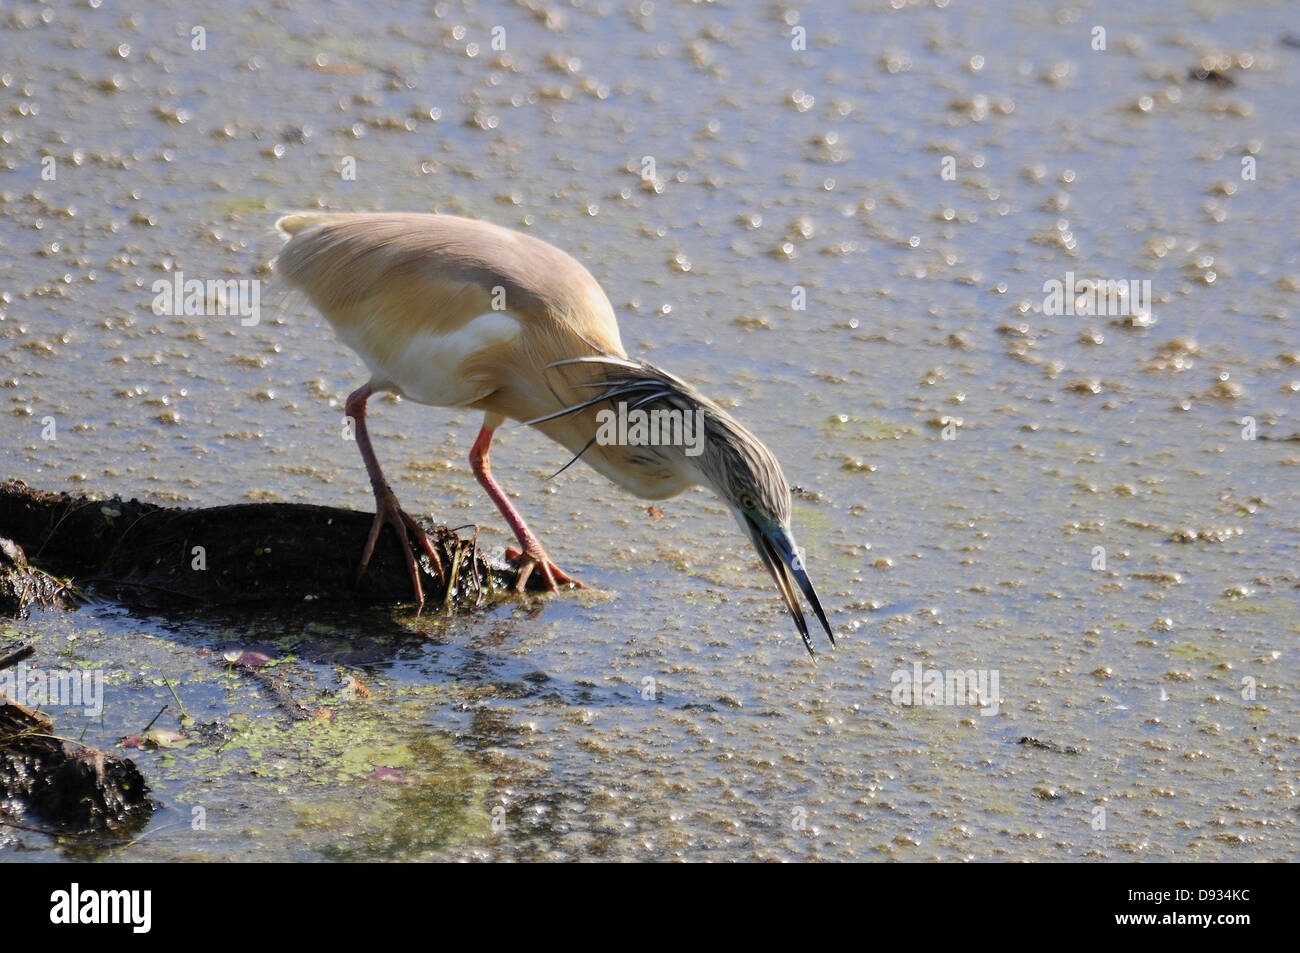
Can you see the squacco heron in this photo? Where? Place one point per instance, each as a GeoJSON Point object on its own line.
{"type": "Point", "coordinates": [454, 312]}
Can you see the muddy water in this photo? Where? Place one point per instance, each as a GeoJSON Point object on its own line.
{"type": "Point", "coordinates": [1063, 500]}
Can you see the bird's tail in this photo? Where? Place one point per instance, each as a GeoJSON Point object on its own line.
{"type": "Point", "coordinates": [291, 224]}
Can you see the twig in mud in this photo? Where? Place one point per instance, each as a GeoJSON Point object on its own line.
{"type": "Point", "coordinates": [451, 579]}
{"type": "Point", "coordinates": [17, 655]}
{"type": "Point", "coordinates": [154, 718]}
{"type": "Point", "coordinates": [179, 703]}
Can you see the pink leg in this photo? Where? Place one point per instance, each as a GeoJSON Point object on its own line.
{"type": "Point", "coordinates": [386, 509]}
{"type": "Point", "coordinates": [532, 555]}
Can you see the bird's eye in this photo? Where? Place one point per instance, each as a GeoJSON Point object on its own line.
{"type": "Point", "coordinates": [746, 501]}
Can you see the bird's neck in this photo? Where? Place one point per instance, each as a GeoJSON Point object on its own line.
{"type": "Point", "coordinates": [650, 454]}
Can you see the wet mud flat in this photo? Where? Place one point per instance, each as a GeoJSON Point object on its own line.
{"type": "Point", "coordinates": [155, 556]}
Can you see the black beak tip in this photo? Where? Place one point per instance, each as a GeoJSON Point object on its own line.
{"type": "Point", "coordinates": [811, 594]}
{"type": "Point", "coordinates": [829, 634]}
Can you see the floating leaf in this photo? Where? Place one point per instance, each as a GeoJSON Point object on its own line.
{"type": "Point", "coordinates": [164, 738]}
{"type": "Point", "coordinates": [246, 657]}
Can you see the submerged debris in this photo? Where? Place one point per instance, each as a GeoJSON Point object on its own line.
{"type": "Point", "coordinates": [1212, 75]}
{"type": "Point", "coordinates": [23, 586]}
{"type": "Point", "coordinates": [63, 784]}
{"type": "Point", "coordinates": [1031, 742]}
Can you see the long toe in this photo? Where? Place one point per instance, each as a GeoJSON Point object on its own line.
{"type": "Point", "coordinates": [388, 513]}
{"type": "Point", "coordinates": [526, 564]}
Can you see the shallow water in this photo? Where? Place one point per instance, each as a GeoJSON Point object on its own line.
{"type": "Point", "coordinates": [672, 713]}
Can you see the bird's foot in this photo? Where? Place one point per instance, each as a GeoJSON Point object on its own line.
{"type": "Point", "coordinates": [387, 512]}
{"type": "Point", "coordinates": [534, 557]}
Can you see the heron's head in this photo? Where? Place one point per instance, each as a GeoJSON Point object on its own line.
{"type": "Point", "coordinates": [743, 472]}
{"type": "Point", "coordinates": [747, 477]}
